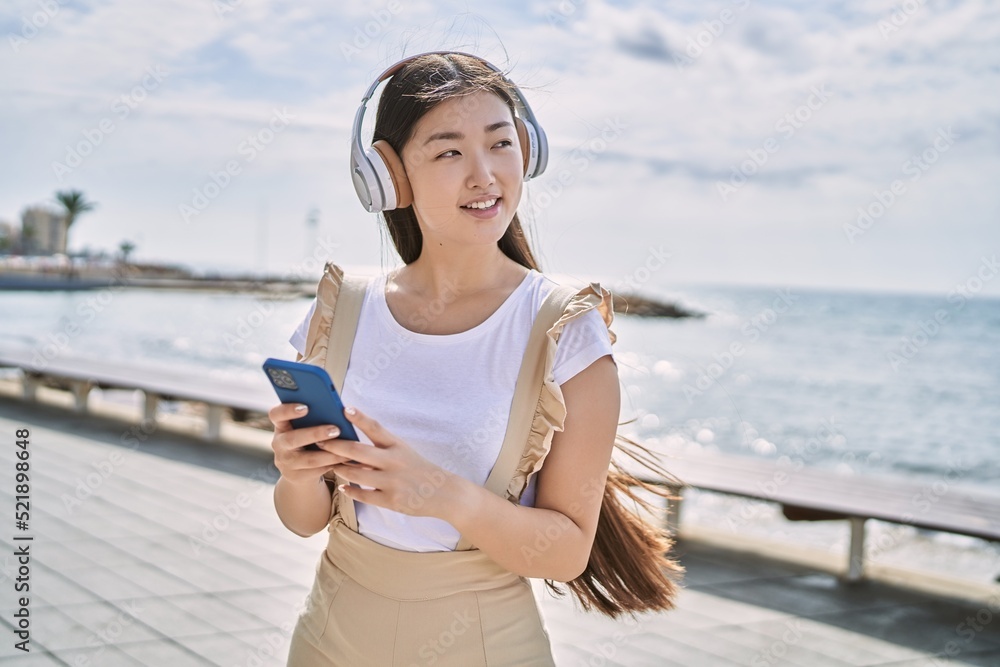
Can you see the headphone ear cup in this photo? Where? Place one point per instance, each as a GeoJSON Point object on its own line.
{"type": "Point", "coordinates": [522, 137]}
{"type": "Point", "coordinates": [400, 183]}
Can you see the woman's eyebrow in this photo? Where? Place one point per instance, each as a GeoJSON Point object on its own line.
{"type": "Point", "coordinates": [496, 126]}
{"type": "Point", "coordinates": [445, 136]}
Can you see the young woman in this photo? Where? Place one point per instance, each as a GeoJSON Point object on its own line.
{"type": "Point", "coordinates": [425, 564]}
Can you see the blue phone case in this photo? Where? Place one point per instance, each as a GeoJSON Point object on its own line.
{"type": "Point", "coordinates": [295, 382]}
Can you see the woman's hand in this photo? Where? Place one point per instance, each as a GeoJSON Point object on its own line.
{"type": "Point", "coordinates": [403, 480]}
{"type": "Point", "coordinates": [298, 465]}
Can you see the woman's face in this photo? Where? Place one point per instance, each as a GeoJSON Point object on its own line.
{"type": "Point", "coordinates": [462, 151]}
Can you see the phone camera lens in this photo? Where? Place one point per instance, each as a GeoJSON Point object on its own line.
{"type": "Point", "coordinates": [282, 379]}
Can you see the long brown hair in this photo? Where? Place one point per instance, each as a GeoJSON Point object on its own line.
{"type": "Point", "coordinates": [630, 569]}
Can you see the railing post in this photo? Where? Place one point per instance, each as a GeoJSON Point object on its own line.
{"type": "Point", "coordinates": [30, 383]}
{"type": "Point", "coordinates": [213, 424]}
{"type": "Point", "coordinates": [856, 562]}
{"type": "Point", "coordinates": [81, 391]}
{"type": "Point", "coordinates": [152, 403]}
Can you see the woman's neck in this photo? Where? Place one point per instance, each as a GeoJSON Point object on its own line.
{"type": "Point", "coordinates": [453, 277]}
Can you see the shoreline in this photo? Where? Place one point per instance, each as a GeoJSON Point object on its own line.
{"type": "Point", "coordinates": [625, 303]}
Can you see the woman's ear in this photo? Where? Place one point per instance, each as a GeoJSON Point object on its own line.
{"type": "Point", "coordinates": [401, 184]}
{"type": "Point", "coordinates": [522, 137]}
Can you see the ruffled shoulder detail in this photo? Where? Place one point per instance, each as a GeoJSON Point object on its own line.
{"type": "Point", "coordinates": [318, 341]}
{"type": "Point", "coordinates": [550, 413]}
{"type": "Point", "coordinates": [318, 335]}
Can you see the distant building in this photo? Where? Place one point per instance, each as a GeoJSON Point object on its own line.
{"type": "Point", "coordinates": [43, 232]}
{"type": "Point", "coordinates": [9, 237]}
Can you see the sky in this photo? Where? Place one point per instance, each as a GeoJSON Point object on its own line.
{"type": "Point", "coordinates": [829, 145]}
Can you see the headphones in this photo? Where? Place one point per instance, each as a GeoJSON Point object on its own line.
{"type": "Point", "coordinates": [378, 174]}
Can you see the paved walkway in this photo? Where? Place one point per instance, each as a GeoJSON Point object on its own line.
{"type": "Point", "coordinates": [156, 549]}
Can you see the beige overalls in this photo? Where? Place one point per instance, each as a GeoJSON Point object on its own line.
{"type": "Point", "coordinates": [374, 605]}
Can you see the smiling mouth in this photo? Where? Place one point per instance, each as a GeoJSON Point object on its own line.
{"type": "Point", "coordinates": [483, 206]}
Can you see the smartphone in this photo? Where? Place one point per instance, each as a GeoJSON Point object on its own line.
{"type": "Point", "coordinates": [295, 382]}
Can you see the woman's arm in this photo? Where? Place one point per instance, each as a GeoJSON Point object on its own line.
{"type": "Point", "coordinates": [302, 498]}
{"type": "Point", "coordinates": [303, 507]}
{"type": "Point", "coordinates": [551, 540]}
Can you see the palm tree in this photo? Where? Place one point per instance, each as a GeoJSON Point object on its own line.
{"type": "Point", "coordinates": [75, 204]}
{"type": "Point", "coordinates": [126, 248]}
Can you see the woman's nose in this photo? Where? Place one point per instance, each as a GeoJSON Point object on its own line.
{"type": "Point", "coordinates": [481, 173]}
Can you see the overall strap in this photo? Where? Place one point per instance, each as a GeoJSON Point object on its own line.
{"type": "Point", "coordinates": [527, 392]}
{"type": "Point", "coordinates": [347, 311]}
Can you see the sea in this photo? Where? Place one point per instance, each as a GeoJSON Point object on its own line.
{"type": "Point", "coordinates": [852, 382]}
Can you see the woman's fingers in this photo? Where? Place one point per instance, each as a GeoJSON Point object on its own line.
{"type": "Point", "coordinates": [290, 448]}
{"type": "Point", "coordinates": [290, 456]}
{"type": "Point", "coordinates": [310, 460]}
{"type": "Point", "coordinates": [282, 414]}
{"type": "Point", "coordinates": [300, 437]}
{"type": "Point", "coordinates": [352, 450]}
{"type": "Point", "coordinates": [393, 470]}
{"type": "Point", "coordinates": [359, 474]}
{"type": "Point", "coordinates": [371, 496]}
{"type": "Point", "coordinates": [379, 436]}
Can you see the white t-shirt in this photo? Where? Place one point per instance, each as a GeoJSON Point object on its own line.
{"type": "Point", "coordinates": [449, 396]}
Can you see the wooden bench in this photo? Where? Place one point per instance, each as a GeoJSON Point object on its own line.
{"type": "Point", "coordinates": [814, 494]}
{"type": "Point", "coordinates": [82, 375]}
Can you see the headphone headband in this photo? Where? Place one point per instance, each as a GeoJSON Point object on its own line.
{"type": "Point", "coordinates": [373, 178]}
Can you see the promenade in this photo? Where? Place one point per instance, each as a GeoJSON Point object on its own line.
{"type": "Point", "coordinates": [159, 549]}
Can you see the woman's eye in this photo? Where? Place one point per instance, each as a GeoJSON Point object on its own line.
{"type": "Point", "coordinates": [503, 142]}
